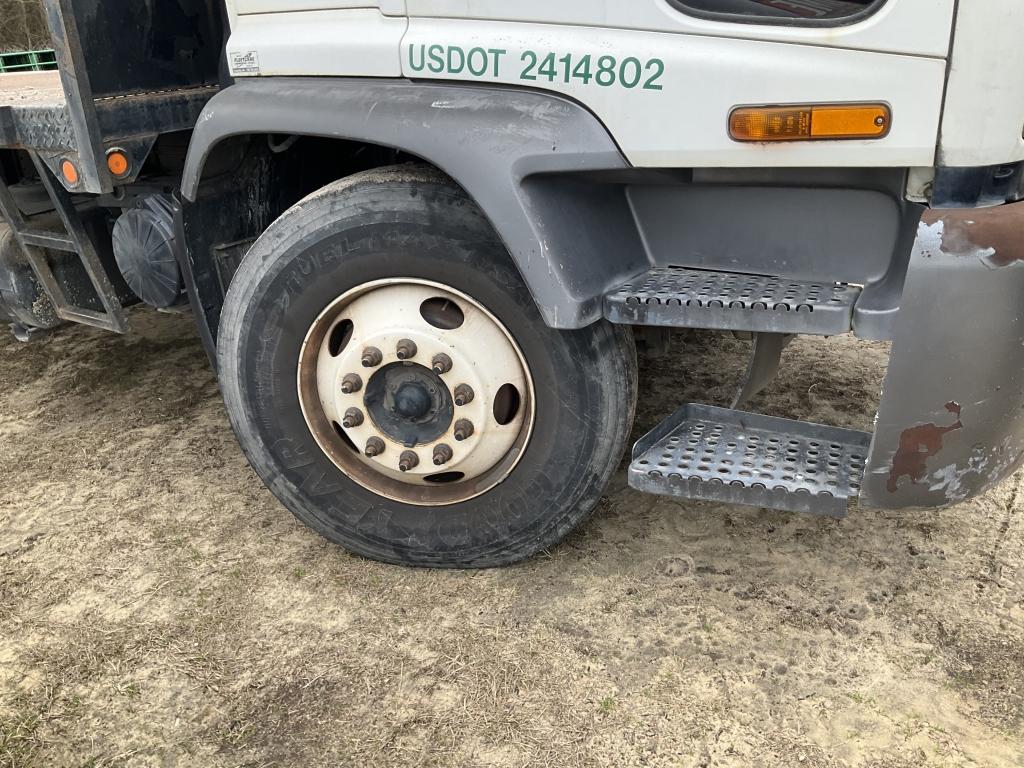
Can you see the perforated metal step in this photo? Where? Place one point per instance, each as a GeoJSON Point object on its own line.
{"type": "Point", "coordinates": [696, 298]}
{"type": "Point", "coordinates": [718, 454]}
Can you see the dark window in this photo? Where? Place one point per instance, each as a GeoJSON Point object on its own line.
{"type": "Point", "coordinates": [791, 12]}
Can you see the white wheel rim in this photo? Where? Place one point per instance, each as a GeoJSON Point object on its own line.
{"type": "Point", "coordinates": [484, 357]}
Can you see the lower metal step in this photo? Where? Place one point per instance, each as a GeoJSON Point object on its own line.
{"type": "Point", "coordinates": [718, 454]}
{"type": "Point", "coordinates": [698, 298]}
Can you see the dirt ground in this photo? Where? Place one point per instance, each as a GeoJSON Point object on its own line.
{"type": "Point", "coordinates": [159, 608]}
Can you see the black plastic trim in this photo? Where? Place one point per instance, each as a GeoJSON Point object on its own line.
{"type": "Point", "coordinates": [977, 186]}
{"type": "Point", "coordinates": [572, 241]}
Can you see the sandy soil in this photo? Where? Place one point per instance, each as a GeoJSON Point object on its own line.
{"type": "Point", "coordinates": [159, 608]}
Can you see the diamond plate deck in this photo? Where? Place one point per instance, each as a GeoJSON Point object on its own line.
{"type": "Point", "coordinates": [33, 112]}
{"type": "Point", "coordinates": [718, 454]}
{"type": "Point", "coordinates": [695, 298]}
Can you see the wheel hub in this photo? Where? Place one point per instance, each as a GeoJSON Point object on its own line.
{"type": "Point", "coordinates": [412, 402]}
{"type": "Point", "coordinates": [432, 425]}
{"type": "Point", "coordinates": [409, 403]}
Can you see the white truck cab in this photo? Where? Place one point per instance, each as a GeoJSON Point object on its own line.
{"type": "Point", "coordinates": [674, 70]}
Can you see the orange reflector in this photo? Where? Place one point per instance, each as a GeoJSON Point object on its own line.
{"type": "Point", "coordinates": [117, 163]}
{"type": "Point", "coordinates": [69, 172]}
{"type": "Point", "coordinates": [805, 123]}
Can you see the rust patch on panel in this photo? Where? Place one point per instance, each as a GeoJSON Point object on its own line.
{"type": "Point", "coordinates": [917, 445]}
{"type": "Point", "coordinates": [993, 235]}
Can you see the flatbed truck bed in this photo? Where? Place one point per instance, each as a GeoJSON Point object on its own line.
{"type": "Point", "coordinates": [18, 89]}
{"type": "Point", "coordinates": [33, 111]}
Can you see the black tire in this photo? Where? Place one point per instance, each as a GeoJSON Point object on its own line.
{"type": "Point", "coordinates": [413, 222]}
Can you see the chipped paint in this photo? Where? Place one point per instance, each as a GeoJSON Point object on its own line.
{"type": "Point", "coordinates": [916, 446]}
{"type": "Point", "coordinates": [948, 481]}
{"type": "Point", "coordinates": [959, 338]}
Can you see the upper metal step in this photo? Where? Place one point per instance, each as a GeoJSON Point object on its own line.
{"type": "Point", "coordinates": [696, 298]}
{"type": "Point", "coordinates": [719, 454]}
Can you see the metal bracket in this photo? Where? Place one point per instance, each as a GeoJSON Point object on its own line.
{"type": "Point", "coordinates": [75, 239]}
{"type": "Point", "coordinates": [765, 358]}
{"type": "Point", "coordinates": [74, 77]}
{"type": "Point", "coordinates": [25, 334]}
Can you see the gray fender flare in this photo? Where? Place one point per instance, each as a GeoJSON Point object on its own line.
{"type": "Point", "coordinates": [512, 150]}
{"type": "Point", "coordinates": [951, 421]}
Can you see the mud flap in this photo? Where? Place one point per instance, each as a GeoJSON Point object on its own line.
{"type": "Point", "coordinates": [951, 421]}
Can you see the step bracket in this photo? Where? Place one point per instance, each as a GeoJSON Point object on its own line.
{"type": "Point", "coordinates": [75, 239]}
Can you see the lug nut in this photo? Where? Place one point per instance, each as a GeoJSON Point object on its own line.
{"type": "Point", "coordinates": [372, 357]}
{"type": "Point", "coordinates": [351, 383]}
{"type": "Point", "coordinates": [408, 460]}
{"type": "Point", "coordinates": [463, 394]}
{"type": "Point", "coordinates": [406, 349]}
{"type": "Point", "coordinates": [353, 418]}
{"type": "Point", "coordinates": [463, 429]}
{"type": "Point", "coordinates": [442, 455]}
{"type": "Point", "coordinates": [374, 447]}
{"type": "Point", "coordinates": [441, 363]}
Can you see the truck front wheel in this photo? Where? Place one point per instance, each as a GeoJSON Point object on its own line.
{"type": "Point", "coordinates": [390, 379]}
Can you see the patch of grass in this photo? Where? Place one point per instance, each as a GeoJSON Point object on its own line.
{"type": "Point", "coordinates": [608, 705]}
{"type": "Point", "coordinates": [131, 690]}
{"type": "Point", "coordinates": [236, 733]}
{"type": "Point", "coordinates": [18, 736]}
{"type": "Point", "coordinates": [19, 732]}
{"type": "Point", "coordinates": [956, 682]}
{"type": "Point", "coordinates": [298, 573]}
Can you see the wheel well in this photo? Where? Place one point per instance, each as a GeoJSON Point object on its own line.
{"type": "Point", "coordinates": [261, 175]}
{"type": "Point", "coordinates": [248, 181]}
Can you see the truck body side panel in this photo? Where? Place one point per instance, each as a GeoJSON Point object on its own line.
{"type": "Point", "coordinates": [666, 98]}
{"type": "Point", "coordinates": [984, 112]}
{"type": "Point", "coordinates": [242, 7]}
{"type": "Point", "coordinates": [664, 82]}
{"type": "Point", "coordinates": [358, 42]}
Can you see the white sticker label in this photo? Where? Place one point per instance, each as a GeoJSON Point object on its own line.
{"type": "Point", "coordinates": [245, 62]}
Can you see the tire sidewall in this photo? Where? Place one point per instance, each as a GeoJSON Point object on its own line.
{"type": "Point", "coordinates": [351, 234]}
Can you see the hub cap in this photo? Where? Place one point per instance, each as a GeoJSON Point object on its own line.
{"type": "Point", "coordinates": [416, 392]}
{"type": "Point", "coordinates": [409, 403]}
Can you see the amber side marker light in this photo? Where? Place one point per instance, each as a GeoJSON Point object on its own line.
{"type": "Point", "coordinates": [810, 122]}
{"type": "Point", "coordinates": [117, 163]}
{"type": "Point", "coordinates": [69, 172]}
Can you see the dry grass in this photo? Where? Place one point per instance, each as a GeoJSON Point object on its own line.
{"type": "Point", "coordinates": [159, 608]}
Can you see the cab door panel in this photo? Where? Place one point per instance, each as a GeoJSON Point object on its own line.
{"type": "Point", "coordinates": [666, 97]}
